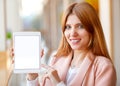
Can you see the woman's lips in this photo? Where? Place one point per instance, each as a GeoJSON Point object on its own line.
{"type": "Point", "coordinates": [74, 41]}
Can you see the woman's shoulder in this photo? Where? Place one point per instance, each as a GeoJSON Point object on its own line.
{"type": "Point", "coordinates": [104, 68]}
{"type": "Point", "coordinates": [101, 61]}
{"type": "Point", "coordinates": [102, 64]}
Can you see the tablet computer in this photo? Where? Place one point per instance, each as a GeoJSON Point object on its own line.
{"type": "Point", "coordinates": [26, 52]}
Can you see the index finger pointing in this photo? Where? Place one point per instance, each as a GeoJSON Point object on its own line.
{"type": "Point", "coordinates": [46, 66]}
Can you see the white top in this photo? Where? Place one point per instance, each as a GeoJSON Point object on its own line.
{"type": "Point", "coordinates": [70, 75]}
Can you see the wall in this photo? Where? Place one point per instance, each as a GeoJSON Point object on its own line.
{"type": "Point", "coordinates": [2, 26]}
{"type": "Point", "coordinates": [105, 12]}
{"type": "Point", "coordinates": [116, 36]}
{"type": "Point", "coordinates": [13, 15]}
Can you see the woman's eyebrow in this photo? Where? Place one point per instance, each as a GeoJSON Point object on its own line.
{"type": "Point", "coordinates": [78, 24]}
{"type": "Point", "coordinates": [67, 24]}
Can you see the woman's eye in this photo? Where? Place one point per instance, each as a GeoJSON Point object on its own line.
{"type": "Point", "coordinates": [80, 26]}
{"type": "Point", "coordinates": [67, 27]}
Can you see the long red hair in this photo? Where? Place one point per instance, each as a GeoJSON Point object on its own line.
{"type": "Point", "coordinates": [89, 18]}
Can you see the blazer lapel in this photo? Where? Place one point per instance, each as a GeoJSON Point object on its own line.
{"type": "Point", "coordinates": [83, 70]}
{"type": "Point", "coordinates": [63, 65]}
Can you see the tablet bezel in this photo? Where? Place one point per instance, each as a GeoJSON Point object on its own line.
{"type": "Point", "coordinates": [36, 70]}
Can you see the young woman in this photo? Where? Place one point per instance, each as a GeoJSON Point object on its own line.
{"type": "Point", "coordinates": [82, 58]}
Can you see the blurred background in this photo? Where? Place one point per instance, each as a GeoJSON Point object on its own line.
{"type": "Point", "coordinates": [45, 16]}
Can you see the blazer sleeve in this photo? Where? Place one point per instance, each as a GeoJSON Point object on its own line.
{"type": "Point", "coordinates": [106, 75]}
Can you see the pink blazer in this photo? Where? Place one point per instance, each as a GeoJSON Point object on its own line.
{"type": "Point", "coordinates": [94, 71]}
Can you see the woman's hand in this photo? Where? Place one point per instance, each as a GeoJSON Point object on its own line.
{"type": "Point", "coordinates": [11, 54]}
{"type": "Point", "coordinates": [30, 76]}
{"type": "Point", "coordinates": [52, 74]}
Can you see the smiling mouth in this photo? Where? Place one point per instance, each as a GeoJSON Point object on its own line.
{"type": "Point", "coordinates": [74, 41]}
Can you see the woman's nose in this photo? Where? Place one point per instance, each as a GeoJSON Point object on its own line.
{"type": "Point", "coordinates": [73, 32]}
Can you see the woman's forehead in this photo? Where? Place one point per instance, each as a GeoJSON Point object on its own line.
{"type": "Point", "coordinates": [72, 19]}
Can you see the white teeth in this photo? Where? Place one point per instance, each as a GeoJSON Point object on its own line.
{"type": "Point", "coordinates": [74, 41]}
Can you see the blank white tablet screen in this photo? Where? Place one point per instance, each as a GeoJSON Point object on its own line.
{"type": "Point", "coordinates": [27, 52]}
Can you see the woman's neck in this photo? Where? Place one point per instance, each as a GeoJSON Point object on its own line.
{"type": "Point", "coordinates": [78, 57]}
{"type": "Point", "coordinates": [79, 54]}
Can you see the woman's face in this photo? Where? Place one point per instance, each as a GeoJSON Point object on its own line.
{"type": "Point", "coordinates": [76, 34]}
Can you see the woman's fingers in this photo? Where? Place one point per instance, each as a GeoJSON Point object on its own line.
{"type": "Point", "coordinates": [32, 76]}
{"type": "Point", "coordinates": [47, 67]}
{"type": "Point", "coordinates": [51, 73]}
{"type": "Point", "coordinates": [42, 53]}
{"type": "Point", "coordinates": [49, 70]}
{"type": "Point", "coordinates": [11, 54]}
